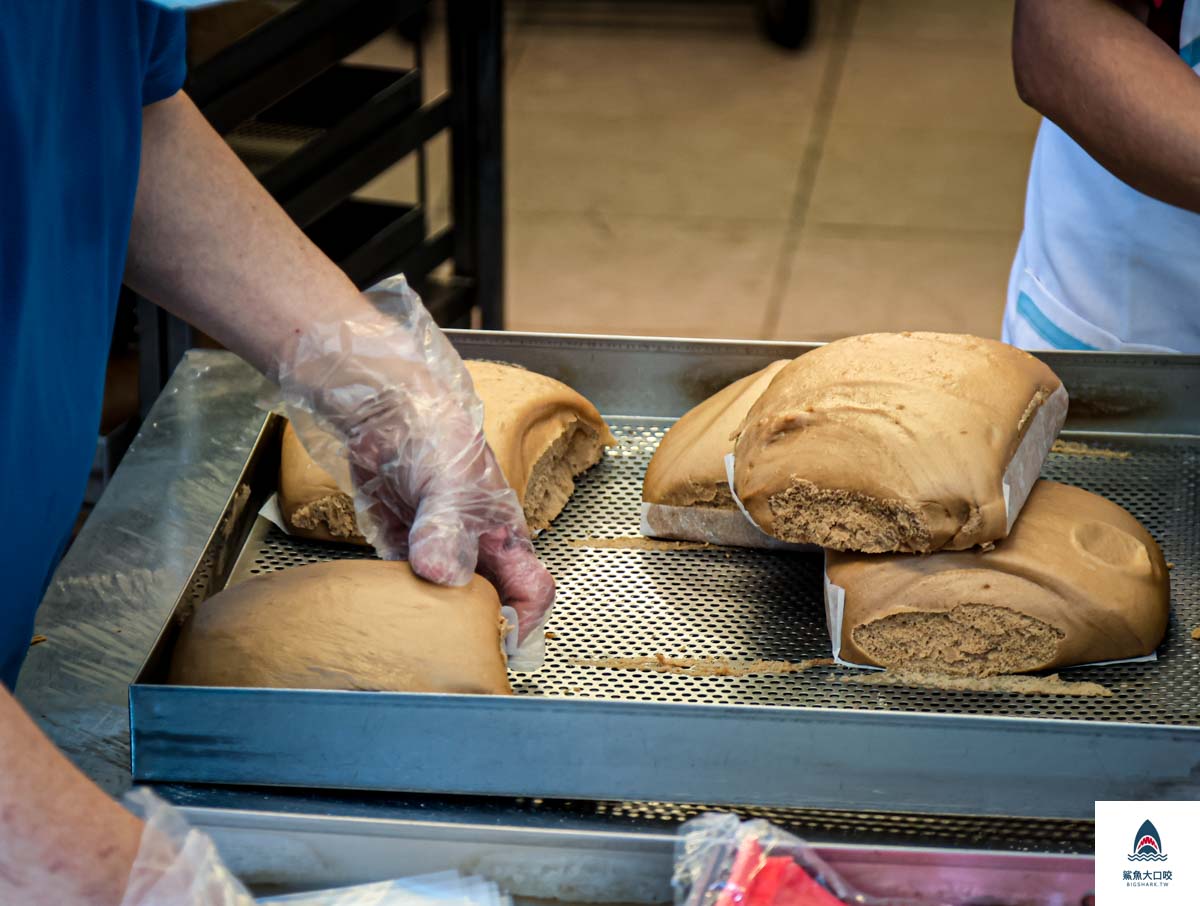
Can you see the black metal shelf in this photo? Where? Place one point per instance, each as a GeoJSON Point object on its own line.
{"type": "Point", "coordinates": [288, 50]}
{"type": "Point", "coordinates": [370, 239]}
{"type": "Point", "coordinates": [315, 129]}
{"type": "Point", "coordinates": [352, 148]}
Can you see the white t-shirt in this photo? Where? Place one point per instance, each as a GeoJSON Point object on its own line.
{"type": "Point", "coordinates": [1100, 265]}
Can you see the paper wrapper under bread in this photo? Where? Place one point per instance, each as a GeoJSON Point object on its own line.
{"type": "Point", "coordinates": [1023, 469]}
{"type": "Point", "coordinates": [710, 525]}
{"type": "Point", "coordinates": [271, 512]}
{"type": "Point", "coordinates": [835, 609]}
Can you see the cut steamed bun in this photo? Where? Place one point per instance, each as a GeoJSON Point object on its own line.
{"type": "Point", "coordinates": [898, 442]}
{"type": "Point", "coordinates": [1078, 581]}
{"type": "Point", "coordinates": [686, 493]}
{"type": "Point", "coordinates": [310, 501]}
{"type": "Point", "coordinates": [346, 624]}
{"type": "Point", "coordinates": [542, 432]}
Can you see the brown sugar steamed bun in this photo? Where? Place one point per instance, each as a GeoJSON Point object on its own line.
{"type": "Point", "coordinates": [688, 468]}
{"type": "Point", "coordinates": [346, 624]}
{"type": "Point", "coordinates": [1079, 580]}
{"type": "Point", "coordinates": [543, 433]}
{"type": "Point", "coordinates": [310, 501]}
{"type": "Point", "coordinates": [894, 442]}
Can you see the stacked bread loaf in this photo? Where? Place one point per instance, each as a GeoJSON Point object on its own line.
{"type": "Point", "coordinates": [913, 460]}
{"type": "Point", "coordinates": [543, 433]}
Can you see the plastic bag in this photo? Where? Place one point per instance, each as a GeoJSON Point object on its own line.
{"type": "Point", "coordinates": [723, 861]}
{"type": "Point", "coordinates": [442, 889]}
{"type": "Point", "coordinates": [176, 864]}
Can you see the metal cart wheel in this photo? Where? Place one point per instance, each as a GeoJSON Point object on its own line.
{"type": "Point", "coordinates": [786, 22]}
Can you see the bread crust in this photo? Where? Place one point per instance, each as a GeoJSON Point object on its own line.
{"type": "Point", "coordinates": [890, 442]}
{"type": "Point", "coordinates": [688, 467]}
{"type": "Point", "coordinates": [310, 501]}
{"type": "Point", "coordinates": [346, 624]}
{"type": "Point", "coordinates": [543, 433]}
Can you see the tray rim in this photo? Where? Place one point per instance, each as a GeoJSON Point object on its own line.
{"type": "Point", "coordinates": [1054, 761]}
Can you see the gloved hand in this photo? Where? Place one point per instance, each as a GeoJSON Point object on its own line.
{"type": "Point", "coordinates": [177, 865]}
{"type": "Point", "coordinates": [402, 412]}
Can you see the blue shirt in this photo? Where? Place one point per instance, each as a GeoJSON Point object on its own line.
{"type": "Point", "coordinates": [74, 76]}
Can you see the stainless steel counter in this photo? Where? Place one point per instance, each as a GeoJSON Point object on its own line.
{"type": "Point", "coordinates": [139, 547]}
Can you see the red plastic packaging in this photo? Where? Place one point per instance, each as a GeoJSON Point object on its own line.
{"type": "Point", "coordinates": [723, 861]}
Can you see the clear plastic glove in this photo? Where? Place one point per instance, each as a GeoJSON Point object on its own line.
{"type": "Point", "coordinates": [177, 865]}
{"type": "Point", "coordinates": [397, 399]}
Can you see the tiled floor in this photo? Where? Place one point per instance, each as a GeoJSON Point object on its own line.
{"type": "Point", "coordinates": [669, 171]}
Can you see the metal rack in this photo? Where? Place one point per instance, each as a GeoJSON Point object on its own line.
{"type": "Point", "coordinates": [315, 129]}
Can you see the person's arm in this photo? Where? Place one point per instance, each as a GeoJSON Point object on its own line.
{"type": "Point", "coordinates": [1116, 88]}
{"type": "Point", "coordinates": [209, 244]}
{"type": "Point", "coordinates": [62, 840]}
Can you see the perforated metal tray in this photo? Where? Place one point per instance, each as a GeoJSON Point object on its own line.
{"type": "Point", "coordinates": [744, 604]}
{"type": "Point", "coordinates": [807, 739]}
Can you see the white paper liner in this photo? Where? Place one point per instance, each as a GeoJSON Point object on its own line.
{"type": "Point", "coordinates": [1023, 469]}
{"type": "Point", "coordinates": [271, 512]}
{"type": "Point", "coordinates": [710, 525]}
{"type": "Point", "coordinates": [529, 656]}
{"type": "Point", "coordinates": [835, 608]}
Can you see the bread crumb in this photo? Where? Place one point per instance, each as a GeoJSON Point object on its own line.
{"type": "Point", "coordinates": [1196, 633]}
{"type": "Point", "coordinates": [639, 543]}
{"type": "Point", "coordinates": [1074, 448]}
{"type": "Point", "coordinates": [1022, 685]}
{"type": "Point", "coordinates": [704, 666]}
{"type": "Point", "coordinates": [551, 635]}
{"type": "Point", "coordinates": [37, 640]}
{"type": "Point", "coordinates": [1170, 565]}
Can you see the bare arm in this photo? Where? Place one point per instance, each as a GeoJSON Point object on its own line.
{"type": "Point", "coordinates": [1097, 72]}
{"type": "Point", "coordinates": [203, 230]}
{"type": "Point", "coordinates": [62, 840]}
{"type": "Point", "coordinates": [209, 244]}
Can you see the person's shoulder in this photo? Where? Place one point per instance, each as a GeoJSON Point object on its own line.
{"type": "Point", "coordinates": [162, 38]}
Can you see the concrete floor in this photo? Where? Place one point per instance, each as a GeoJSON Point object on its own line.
{"type": "Point", "coordinates": [670, 172]}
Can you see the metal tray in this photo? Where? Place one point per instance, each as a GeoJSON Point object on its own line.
{"type": "Point", "coordinates": [276, 852]}
{"type": "Point", "coordinates": [804, 739]}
